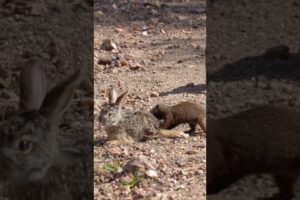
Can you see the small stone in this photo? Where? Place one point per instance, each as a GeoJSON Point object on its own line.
{"type": "Point", "coordinates": [98, 15]}
{"type": "Point", "coordinates": [138, 164]}
{"type": "Point", "coordinates": [154, 94]}
{"type": "Point", "coordinates": [117, 63]}
{"type": "Point", "coordinates": [154, 12]}
{"type": "Point", "coordinates": [121, 84]}
{"type": "Point", "coordinates": [152, 3]}
{"type": "Point", "coordinates": [191, 152]}
{"type": "Point", "coordinates": [199, 172]}
{"type": "Point", "coordinates": [145, 33]}
{"type": "Point", "coordinates": [140, 193]}
{"type": "Point", "coordinates": [115, 151]}
{"type": "Point", "coordinates": [180, 187]}
{"type": "Point", "coordinates": [190, 85]}
{"type": "Point", "coordinates": [119, 30]}
{"type": "Point", "coordinates": [162, 31]}
{"type": "Point", "coordinates": [154, 20]}
{"type": "Point", "coordinates": [135, 67]}
{"type": "Point", "coordinates": [124, 62]}
{"type": "Point", "coordinates": [180, 163]}
{"type": "Point", "coordinates": [138, 97]}
{"type": "Point", "coordinates": [115, 6]}
{"type": "Point", "coordinates": [181, 17]}
{"type": "Point", "coordinates": [152, 151]}
{"type": "Point", "coordinates": [108, 45]}
{"type": "Point", "coordinates": [104, 61]}
{"type": "Point", "coordinates": [114, 70]}
{"type": "Point", "coordinates": [151, 173]}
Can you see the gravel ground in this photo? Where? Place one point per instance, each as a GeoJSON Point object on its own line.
{"type": "Point", "coordinates": [50, 31]}
{"type": "Point", "coordinates": [249, 79]}
{"type": "Point", "coordinates": [159, 59]}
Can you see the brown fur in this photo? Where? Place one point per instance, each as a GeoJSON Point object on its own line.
{"type": "Point", "coordinates": [129, 127]}
{"type": "Point", "coordinates": [185, 112]}
{"type": "Point", "coordinates": [260, 140]}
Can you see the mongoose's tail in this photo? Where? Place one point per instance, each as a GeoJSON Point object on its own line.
{"type": "Point", "coordinates": [172, 133]}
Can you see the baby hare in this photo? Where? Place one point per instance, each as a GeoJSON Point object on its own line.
{"type": "Point", "coordinates": [264, 139]}
{"type": "Point", "coordinates": [129, 126]}
{"type": "Point", "coordinates": [36, 161]}
{"type": "Point", "coordinates": [185, 112]}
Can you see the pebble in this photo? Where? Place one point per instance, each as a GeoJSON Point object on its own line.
{"type": "Point", "coordinates": [119, 30]}
{"type": "Point", "coordinates": [154, 12]}
{"type": "Point", "coordinates": [145, 33]}
{"type": "Point", "coordinates": [154, 94]}
{"type": "Point", "coordinates": [151, 173]}
{"type": "Point", "coordinates": [108, 45]}
{"type": "Point", "coordinates": [191, 152]}
{"type": "Point", "coordinates": [134, 67]}
{"type": "Point", "coordinates": [124, 63]}
{"type": "Point", "coordinates": [190, 85]}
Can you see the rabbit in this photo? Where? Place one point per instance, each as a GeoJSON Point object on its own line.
{"type": "Point", "coordinates": [184, 112]}
{"type": "Point", "coordinates": [36, 161]}
{"type": "Point", "coordinates": [130, 126]}
{"type": "Point", "coordinates": [264, 139]}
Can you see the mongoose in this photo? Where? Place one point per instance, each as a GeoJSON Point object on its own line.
{"type": "Point", "coordinates": [264, 139]}
{"type": "Point", "coordinates": [185, 112]}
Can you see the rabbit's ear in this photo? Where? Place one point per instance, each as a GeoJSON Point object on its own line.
{"type": "Point", "coordinates": [112, 96]}
{"type": "Point", "coordinates": [32, 85]}
{"type": "Point", "coordinates": [120, 98]}
{"type": "Point", "coordinates": [58, 99]}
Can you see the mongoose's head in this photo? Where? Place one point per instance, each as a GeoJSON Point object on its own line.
{"type": "Point", "coordinates": [158, 111]}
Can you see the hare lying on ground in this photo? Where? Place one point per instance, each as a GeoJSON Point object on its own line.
{"type": "Point", "coordinates": [36, 161]}
{"type": "Point", "coordinates": [131, 126]}
{"type": "Point", "coordinates": [265, 139]}
{"type": "Point", "coordinates": [185, 112]}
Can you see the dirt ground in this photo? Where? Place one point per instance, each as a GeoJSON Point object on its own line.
{"type": "Point", "coordinates": [159, 59]}
{"type": "Point", "coordinates": [250, 79]}
{"type": "Point", "coordinates": [46, 30]}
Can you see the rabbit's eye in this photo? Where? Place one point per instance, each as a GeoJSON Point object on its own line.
{"type": "Point", "coordinates": [25, 146]}
{"type": "Point", "coordinates": [110, 114]}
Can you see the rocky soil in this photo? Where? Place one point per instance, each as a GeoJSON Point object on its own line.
{"type": "Point", "coordinates": [52, 32]}
{"type": "Point", "coordinates": [231, 94]}
{"type": "Point", "coordinates": [155, 49]}
{"type": "Point", "coordinates": [242, 73]}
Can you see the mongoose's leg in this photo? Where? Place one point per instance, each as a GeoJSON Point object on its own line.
{"type": "Point", "coordinates": [193, 127]}
{"type": "Point", "coordinates": [202, 123]}
{"type": "Point", "coordinates": [285, 183]}
{"type": "Point", "coordinates": [168, 123]}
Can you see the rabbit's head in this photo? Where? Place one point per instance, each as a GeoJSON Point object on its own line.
{"type": "Point", "coordinates": [28, 140]}
{"type": "Point", "coordinates": [111, 112]}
